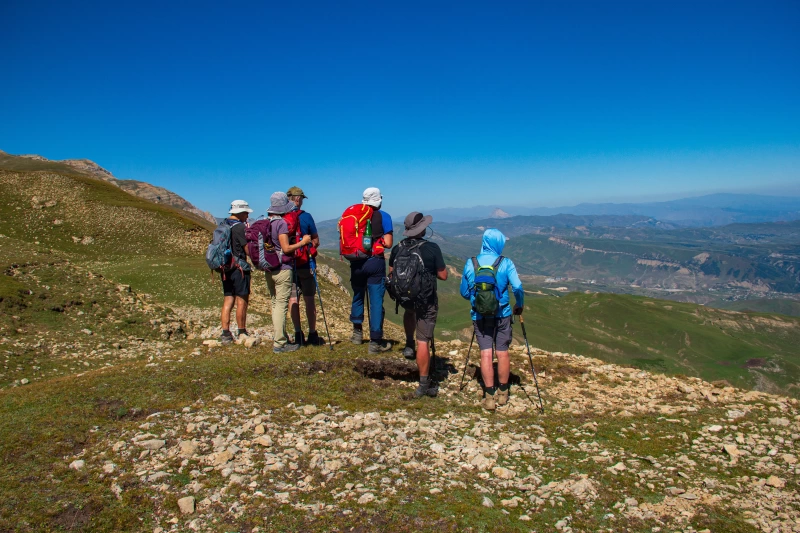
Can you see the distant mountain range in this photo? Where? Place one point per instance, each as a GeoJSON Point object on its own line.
{"type": "Point", "coordinates": [160, 195]}
{"type": "Point", "coordinates": [709, 210]}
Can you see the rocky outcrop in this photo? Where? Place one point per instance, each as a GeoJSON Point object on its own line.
{"type": "Point", "coordinates": [141, 189]}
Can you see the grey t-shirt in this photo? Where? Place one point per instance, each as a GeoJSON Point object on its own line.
{"type": "Point", "coordinates": [277, 227]}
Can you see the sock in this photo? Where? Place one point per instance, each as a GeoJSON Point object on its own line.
{"type": "Point", "coordinates": [242, 332]}
{"type": "Point", "coordinates": [490, 391]}
{"type": "Point", "coordinates": [226, 333]}
{"type": "Point", "coordinates": [425, 381]}
{"type": "Point", "coordinates": [297, 333]}
{"type": "Point", "coordinates": [410, 342]}
{"type": "Point", "coordinates": [312, 332]}
{"type": "Point", "coordinates": [504, 387]}
{"type": "Point", "coordinates": [359, 327]}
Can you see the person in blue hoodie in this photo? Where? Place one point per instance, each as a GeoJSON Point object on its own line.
{"type": "Point", "coordinates": [493, 330]}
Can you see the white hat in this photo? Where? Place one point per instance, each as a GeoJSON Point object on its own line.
{"type": "Point", "coordinates": [372, 196]}
{"type": "Point", "coordinates": [239, 206]}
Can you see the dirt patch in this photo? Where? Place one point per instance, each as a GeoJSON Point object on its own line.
{"type": "Point", "coordinates": [397, 369]}
{"type": "Point", "coordinates": [73, 518]}
{"type": "Point", "coordinates": [116, 410]}
{"type": "Point", "coordinates": [755, 363]}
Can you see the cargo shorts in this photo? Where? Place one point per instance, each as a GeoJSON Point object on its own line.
{"type": "Point", "coordinates": [493, 332]}
{"type": "Point", "coordinates": [425, 318]}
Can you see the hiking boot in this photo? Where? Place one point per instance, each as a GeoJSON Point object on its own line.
{"type": "Point", "coordinates": [501, 396]}
{"type": "Point", "coordinates": [286, 348]}
{"type": "Point", "coordinates": [315, 340]}
{"type": "Point", "coordinates": [299, 338]}
{"type": "Point", "coordinates": [358, 335]}
{"type": "Point", "coordinates": [489, 403]}
{"type": "Point", "coordinates": [379, 346]}
{"type": "Point", "coordinates": [429, 390]}
{"type": "Point", "coordinates": [226, 339]}
{"type": "Point", "coordinates": [409, 353]}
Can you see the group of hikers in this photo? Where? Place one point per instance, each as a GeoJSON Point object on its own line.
{"type": "Point", "coordinates": [284, 246]}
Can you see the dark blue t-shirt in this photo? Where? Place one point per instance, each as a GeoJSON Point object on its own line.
{"type": "Point", "coordinates": [307, 226]}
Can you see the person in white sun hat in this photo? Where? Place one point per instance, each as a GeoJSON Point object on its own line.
{"type": "Point", "coordinates": [236, 283]}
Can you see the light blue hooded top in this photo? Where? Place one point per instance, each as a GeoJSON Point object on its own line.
{"type": "Point", "coordinates": [492, 248]}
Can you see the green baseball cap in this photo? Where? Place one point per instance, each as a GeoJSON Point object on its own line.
{"type": "Point", "coordinates": [296, 191]}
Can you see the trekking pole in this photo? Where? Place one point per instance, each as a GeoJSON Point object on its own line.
{"type": "Point", "coordinates": [466, 363]}
{"type": "Point", "coordinates": [297, 297]}
{"type": "Point", "coordinates": [319, 294]}
{"type": "Point", "coordinates": [535, 380]}
{"type": "Point", "coordinates": [432, 370]}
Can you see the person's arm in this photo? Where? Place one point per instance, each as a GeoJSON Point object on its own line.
{"type": "Point", "coordinates": [315, 240]}
{"type": "Point", "coordinates": [312, 229]}
{"type": "Point", "coordinates": [467, 281]}
{"type": "Point", "coordinates": [386, 228]}
{"type": "Point", "coordinates": [516, 286]}
{"type": "Point", "coordinates": [287, 248]}
{"type": "Point", "coordinates": [388, 240]}
{"type": "Point", "coordinates": [441, 268]}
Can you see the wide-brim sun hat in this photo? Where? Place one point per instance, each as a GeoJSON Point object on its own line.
{"type": "Point", "coordinates": [372, 197]}
{"type": "Point", "coordinates": [279, 204]}
{"type": "Point", "coordinates": [416, 223]}
{"type": "Point", "coordinates": [239, 206]}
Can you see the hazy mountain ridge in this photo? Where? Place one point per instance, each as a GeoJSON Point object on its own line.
{"type": "Point", "coordinates": [709, 210]}
{"type": "Point", "coordinates": [90, 168]}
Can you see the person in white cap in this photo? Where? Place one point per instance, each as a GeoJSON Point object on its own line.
{"type": "Point", "coordinates": [367, 276]}
{"type": "Point", "coordinates": [236, 283]}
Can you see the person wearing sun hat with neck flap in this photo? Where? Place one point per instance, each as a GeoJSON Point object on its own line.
{"type": "Point", "coordinates": [279, 283]}
{"type": "Point", "coordinates": [236, 283]}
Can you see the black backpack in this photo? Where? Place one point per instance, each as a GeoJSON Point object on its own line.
{"type": "Point", "coordinates": [487, 295]}
{"type": "Point", "coordinates": [409, 284]}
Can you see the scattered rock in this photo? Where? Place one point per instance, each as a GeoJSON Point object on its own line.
{"type": "Point", "coordinates": [78, 464]}
{"type": "Point", "coordinates": [487, 502]}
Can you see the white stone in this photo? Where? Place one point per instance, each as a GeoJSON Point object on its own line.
{"type": "Point", "coordinates": [78, 464]}
{"type": "Point", "coordinates": [487, 502]}
{"type": "Point", "coordinates": [153, 444]}
{"type": "Point", "coordinates": [775, 481]}
{"type": "Point", "coordinates": [187, 505]}
{"type": "Point", "coordinates": [365, 498]}
{"type": "Point", "coordinates": [503, 473]}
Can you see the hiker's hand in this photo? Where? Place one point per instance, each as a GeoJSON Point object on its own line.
{"type": "Point", "coordinates": [305, 240]}
{"type": "Point", "coordinates": [518, 311]}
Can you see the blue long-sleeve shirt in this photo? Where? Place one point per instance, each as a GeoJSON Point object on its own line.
{"type": "Point", "coordinates": [492, 248]}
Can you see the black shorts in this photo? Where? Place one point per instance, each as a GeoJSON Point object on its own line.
{"type": "Point", "coordinates": [426, 319]}
{"type": "Point", "coordinates": [236, 283]}
{"type": "Point", "coordinates": [307, 285]}
{"type": "Point", "coordinates": [496, 331]}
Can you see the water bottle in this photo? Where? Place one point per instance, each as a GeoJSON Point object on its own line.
{"type": "Point", "coordinates": [367, 240]}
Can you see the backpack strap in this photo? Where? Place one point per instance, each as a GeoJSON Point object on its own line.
{"type": "Point", "coordinates": [497, 263]}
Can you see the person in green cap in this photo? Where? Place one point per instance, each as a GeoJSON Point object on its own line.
{"type": "Point", "coordinates": [303, 278]}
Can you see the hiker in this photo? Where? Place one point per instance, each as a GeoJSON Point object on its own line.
{"type": "Point", "coordinates": [364, 233]}
{"type": "Point", "coordinates": [302, 277]}
{"type": "Point", "coordinates": [485, 284]}
{"type": "Point", "coordinates": [279, 282]}
{"type": "Point", "coordinates": [236, 281]}
{"type": "Point", "coordinates": [419, 263]}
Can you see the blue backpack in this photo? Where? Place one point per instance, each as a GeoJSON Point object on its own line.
{"type": "Point", "coordinates": [219, 256]}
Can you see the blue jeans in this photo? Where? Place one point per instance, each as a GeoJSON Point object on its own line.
{"type": "Point", "coordinates": [368, 276]}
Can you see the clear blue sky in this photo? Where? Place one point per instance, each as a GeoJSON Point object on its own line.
{"type": "Point", "coordinates": [438, 104]}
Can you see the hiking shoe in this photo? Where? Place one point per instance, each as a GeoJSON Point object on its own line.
{"type": "Point", "coordinates": [226, 339]}
{"type": "Point", "coordinates": [315, 340]}
{"type": "Point", "coordinates": [379, 346]}
{"type": "Point", "coordinates": [430, 390]}
{"type": "Point", "coordinates": [299, 338]}
{"type": "Point", "coordinates": [501, 397]}
{"type": "Point", "coordinates": [358, 336]}
{"type": "Point", "coordinates": [285, 348]}
{"type": "Point", "coordinates": [409, 353]}
{"type": "Point", "coordinates": [489, 403]}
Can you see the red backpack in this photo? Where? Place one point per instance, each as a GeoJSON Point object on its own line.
{"type": "Point", "coordinates": [352, 225]}
{"type": "Point", "coordinates": [301, 255]}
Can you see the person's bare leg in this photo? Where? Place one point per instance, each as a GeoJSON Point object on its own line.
{"type": "Point", "coordinates": [294, 311]}
{"type": "Point", "coordinates": [423, 358]}
{"type": "Point", "coordinates": [241, 311]}
{"type": "Point", "coordinates": [487, 370]}
{"type": "Point", "coordinates": [503, 367]}
{"type": "Point", "coordinates": [227, 306]}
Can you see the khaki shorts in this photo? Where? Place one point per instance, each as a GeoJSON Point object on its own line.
{"type": "Point", "coordinates": [306, 280]}
{"type": "Point", "coordinates": [426, 320]}
{"type": "Point", "coordinates": [495, 331]}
